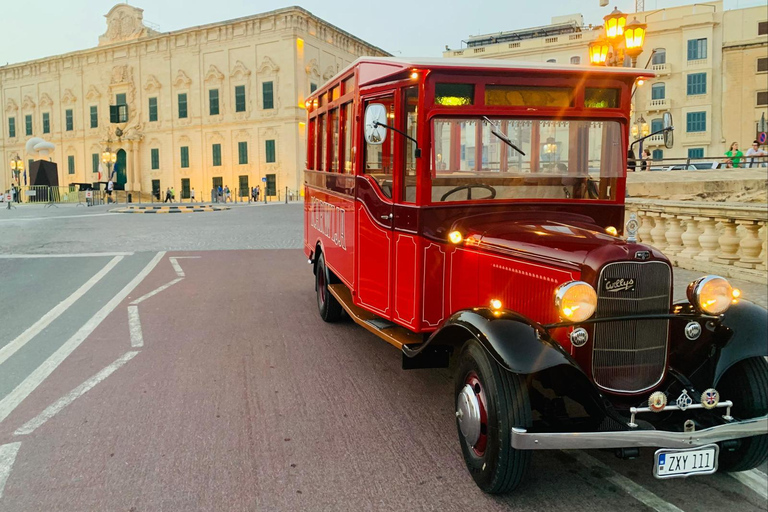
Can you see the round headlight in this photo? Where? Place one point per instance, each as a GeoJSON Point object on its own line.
{"type": "Point", "coordinates": [711, 294]}
{"type": "Point", "coordinates": [575, 301]}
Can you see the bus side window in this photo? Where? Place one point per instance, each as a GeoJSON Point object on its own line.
{"type": "Point", "coordinates": [322, 142]}
{"type": "Point", "coordinates": [347, 135]}
{"type": "Point", "coordinates": [409, 175]}
{"type": "Point", "coordinates": [333, 150]}
{"type": "Point", "coordinates": [379, 157]}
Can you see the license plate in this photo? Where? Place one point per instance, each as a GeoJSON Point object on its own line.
{"type": "Point", "coordinates": [701, 460]}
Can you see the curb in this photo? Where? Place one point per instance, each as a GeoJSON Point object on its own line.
{"type": "Point", "coordinates": [169, 209]}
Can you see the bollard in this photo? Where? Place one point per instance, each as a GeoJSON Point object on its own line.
{"type": "Point", "coordinates": [286, 195]}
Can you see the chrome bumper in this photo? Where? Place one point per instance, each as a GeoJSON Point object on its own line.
{"type": "Point", "coordinates": [523, 440]}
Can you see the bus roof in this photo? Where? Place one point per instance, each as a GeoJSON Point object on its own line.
{"type": "Point", "coordinates": [379, 69]}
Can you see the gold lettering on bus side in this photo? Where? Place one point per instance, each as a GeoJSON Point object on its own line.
{"type": "Point", "coordinates": [329, 220]}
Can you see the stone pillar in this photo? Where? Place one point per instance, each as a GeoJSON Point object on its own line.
{"type": "Point", "coordinates": [751, 245]}
{"type": "Point", "coordinates": [690, 238]}
{"type": "Point", "coordinates": [135, 167]}
{"type": "Point", "coordinates": [764, 255]}
{"type": "Point", "coordinates": [673, 235]}
{"type": "Point", "coordinates": [729, 243]}
{"type": "Point", "coordinates": [646, 226]}
{"type": "Point", "coordinates": [708, 239]}
{"type": "Point", "coordinates": [658, 233]}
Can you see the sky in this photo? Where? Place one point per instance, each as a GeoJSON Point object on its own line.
{"type": "Point", "coordinates": [415, 28]}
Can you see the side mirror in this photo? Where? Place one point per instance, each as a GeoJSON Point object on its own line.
{"type": "Point", "coordinates": [375, 121]}
{"type": "Point", "coordinates": [669, 138]}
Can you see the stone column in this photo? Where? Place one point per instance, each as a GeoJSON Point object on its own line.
{"type": "Point", "coordinates": [658, 233]}
{"type": "Point", "coordinates": [708, 239]}
{"type": "Point", "coordinates": [729, 243]}
{"type": "Point", "coordinates": [673, 234]}
{"type": "Point", "coordinates": [136, 167]}
{"type": "Point", "coordinates": [751, 245]}
{"type": "Point", "coordinates": [646, 226]}
{"type": "Point", "coordinates": [690, 238]}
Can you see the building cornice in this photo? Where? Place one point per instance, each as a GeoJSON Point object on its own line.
{"type": "Point", "coordinates": [201, 29]}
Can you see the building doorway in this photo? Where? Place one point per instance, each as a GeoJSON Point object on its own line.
{"type": "Point", "coordinates": [156, 189]}
{"type": "Point", "coordinates": [122, 177]}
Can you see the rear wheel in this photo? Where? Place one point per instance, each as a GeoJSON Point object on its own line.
{"type": "Point", "coordinates": [329, 308]}
{"type": "Point", "coordinates": [746, 384]}
{"type": "Point", "coordinates": [489, 402]}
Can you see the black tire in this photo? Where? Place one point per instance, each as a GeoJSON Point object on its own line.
{"type": "Point", "coordinates": [329, 308]}
{"type": "Point", "coordinates": [498, 468]}
{"type": "Point", "coordinates": [746, 384]}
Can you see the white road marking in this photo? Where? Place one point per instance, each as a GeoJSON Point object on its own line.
{"type": "Point", "coordinates": [637, 491]}
{"type": "Point", "coordinates": [34, 379]}
{"type": "Point", "coordinates": [177, 267]}
{"type": "Point", "coordinates": [12, 347]}
{"type": "Point", "coordinates": [7, 456]}
{"type": "Point", "coordinates": [134, 324]}
{"type": "Point", "coordinates": [73, 395]}
{"type": "Point", "coordinates": [87, 215]}
{"type": "Point", "coordinates": [155, 292]}
{"type": "Point", "coordinates": [755, 480]}
{"type": "Point", "coordinates": [74, 255]}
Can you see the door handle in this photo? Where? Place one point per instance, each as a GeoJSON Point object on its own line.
{"type": "Point", "coordinates": [386, 217]}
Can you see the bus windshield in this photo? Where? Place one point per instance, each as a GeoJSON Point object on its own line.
{"type": "Point", "coordinates": [576, 159]}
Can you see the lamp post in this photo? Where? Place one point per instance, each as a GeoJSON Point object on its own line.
{"type": "Point", "coordinates": [634, 38]}
{"type": "Point", "coordinates": [614, 24]}
{"type": "Point", "coordinates": [109, 158]}
{"type": "Point", "coordinates": [17, 167]}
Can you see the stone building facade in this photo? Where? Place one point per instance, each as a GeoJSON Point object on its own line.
{"type": "Point", "coordinates": [711, 66]}
{"type": "Point", "coordinates": [218, 103]}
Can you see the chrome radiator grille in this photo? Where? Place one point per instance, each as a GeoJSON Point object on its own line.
{"type": "Point", "coordinates": [630, 355]}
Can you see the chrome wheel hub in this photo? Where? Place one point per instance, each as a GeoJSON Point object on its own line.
{"type": "Point", "coordinates": [468, 414]}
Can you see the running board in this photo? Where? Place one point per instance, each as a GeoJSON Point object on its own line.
{"type": "Point", "coordinates": [384, 329]}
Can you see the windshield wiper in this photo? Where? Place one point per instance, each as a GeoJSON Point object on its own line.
{"type": "Point", "coordinates": [495, 130]}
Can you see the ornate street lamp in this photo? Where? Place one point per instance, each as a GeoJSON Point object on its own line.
{"type": "Point", "coordinates": [598, 51]}
{"type": "Point", "coordinates": [614, 25]}
{"type": "Point", "coordinates": [109, 158]}
{"type": "Point", "coordinates": [17, 166]}
{"type": "Point", "coordinates": [634, 38]}
{"type": "Point", "coordinates": [640, 127]}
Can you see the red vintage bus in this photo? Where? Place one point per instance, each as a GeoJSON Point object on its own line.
{"type": "Point", "coordinates": [474, 211]}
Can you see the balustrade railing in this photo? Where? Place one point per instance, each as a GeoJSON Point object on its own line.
{"type": "Point", "coordinates": [726, 238]}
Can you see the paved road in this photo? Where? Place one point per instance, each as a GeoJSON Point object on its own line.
{"type": "Point", "coordinates": [232, 394]}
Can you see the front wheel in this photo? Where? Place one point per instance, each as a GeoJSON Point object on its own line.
{"type": "Point", "coordinates": [746, 384]}
{"type": "Point", "coordinates": [329, 308]}
{"type": "Point", "coordinates": [489, 402]}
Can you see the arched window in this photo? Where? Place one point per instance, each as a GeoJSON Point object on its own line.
{"type": "Point", "coordinates": [576, 60]}
{"type": "Point", "coordinates": [658, 91]}
{"type": "Point", "coordinates": [660, 57]}
{"type": "Point", "coordinates": [657, 125]}
{"type": "Point", "coordinates": [551, 60]}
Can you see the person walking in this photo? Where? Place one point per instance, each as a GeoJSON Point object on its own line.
{"type": "Point", "coordinates": [219, 194]}
{"type": "Point", "coordinates": [227, 197]}
{"type": "Point", "coordinates": [753, 152]}
{"type": "Point", "coordinates": [110, 188]}
{"type": "Point", "coordinates": [192, 195]}
{"type": "Point", "coordinates": [173, 194]}
{"type": "Point", "coordinates": [734, 156]}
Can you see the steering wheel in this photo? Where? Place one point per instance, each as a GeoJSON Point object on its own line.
{"type": "Point", "coordinates": [469, 188]}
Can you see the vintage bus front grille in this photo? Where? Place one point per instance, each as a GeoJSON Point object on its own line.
{"type": "Point", "coordinates": [630, 356]}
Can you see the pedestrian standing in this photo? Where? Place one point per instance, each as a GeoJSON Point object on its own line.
{"type": "Point", "coordinates": [258, 192]}
{"type": "Point", "coordinates": [227, 198]}
{"type": "Point", "coordinates": [192, 195]}
{"type": "Point", "coordinates": [173, 195]}
{"type": "Point", "coordinates": [753, 152]}
{"type": "Point", "coordinates": [167, 195]}
{"type": "Point", "coordinates": [734, 155]}
{"type": "Point", "coordinates": [110, 188]}
{"type": "Point", "coordinates": [219, 194]}
{"type": "Point", "coordinates": [645, 157]}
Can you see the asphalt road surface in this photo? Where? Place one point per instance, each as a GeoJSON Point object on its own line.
{"type": "Point", "coordinates": [178, 362]}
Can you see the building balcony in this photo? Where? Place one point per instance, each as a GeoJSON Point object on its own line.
{"type": "Point", "coordinates": [661, 69]}
{"type": "Point", "coordinates": [655, 140]}
{"type": "Point", "coordinates": [659, 104]}
{"type": "Point", "coordinates": [697, 63]}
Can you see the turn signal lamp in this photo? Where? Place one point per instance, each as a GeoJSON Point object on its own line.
{"type": "Point", "coordinates": [640, 81]}
{"type": "Point", "coordinates": [414, 75]}
{"type": "Point", "coordinates": [575, 301]}
{"type": "Point", "coordinates": [611, 231]}
{"type": "Point", "coordinates": [496, 304]}
{"type": "Point", "coordinates": [455, 237]}
{"type": "Point", "coordinates": [711, 294]}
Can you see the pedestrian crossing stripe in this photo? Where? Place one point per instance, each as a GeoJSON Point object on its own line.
{"type": "Point", "coordinates": [169, 209]}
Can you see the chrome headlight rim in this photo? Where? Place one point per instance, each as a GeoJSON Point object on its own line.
{"type": "Point", "coordinates": [560, 293]}
{"type": "Point", "coordinates": [694, 293]}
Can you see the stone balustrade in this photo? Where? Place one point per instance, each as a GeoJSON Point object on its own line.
{"type": "Point", "coordinates": [728, 239]}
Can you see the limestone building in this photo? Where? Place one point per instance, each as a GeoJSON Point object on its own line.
{"type": "Point", "coordinates": [214, 104]}
{"type": "Point", "coordinates": [712, 68]}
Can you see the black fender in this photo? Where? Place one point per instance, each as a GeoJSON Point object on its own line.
{"type": "Point", "coordinates": [743, 331]}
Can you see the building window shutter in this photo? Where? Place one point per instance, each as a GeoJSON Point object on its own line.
{"type": "Point", "coordinates": [28, 124]}
{"type": "Point", "coordinates": [71, 164]}
{"type": "Point", "coordinates": [269, 149]}
{"type": "Point", "coordinates": [152, 110]}
{"type": "Point", "coordinates": [185, 156]}
{"type": "Point", "coordinates": [94, 116]}
{"type": "Point", "coordinates": [695, 152]}
{"type": "Point", "coordinates": [182, 106]}
{"type": "Point", "coordinates": [46, 122]}
{"type": "Point", "coordinates": [11, 127]}
{"type": "Point", "coordinates": [240, 98]}
{"type": "Point", "coordinates": [69, 118]}
{"type": "Point", "coordinates": [213, 102]}
{"type": "Point", "coordinates": [216, 155]}
{"type": "Point", "coordinates": [657, 154]}
{"type": "Point", "coordinates": [242, 152]}
{"type": "Point", "coordinates": [696, 122]}
{"type": "Point", "coordinates": [267, 92]}
{"type": "Point", "coordinates": [155, 157]}
{"type": "Point", "coordinates": [94, 162]}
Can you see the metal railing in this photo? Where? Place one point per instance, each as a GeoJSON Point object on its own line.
{"type": "Point", "coordinates": [697, 164]}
